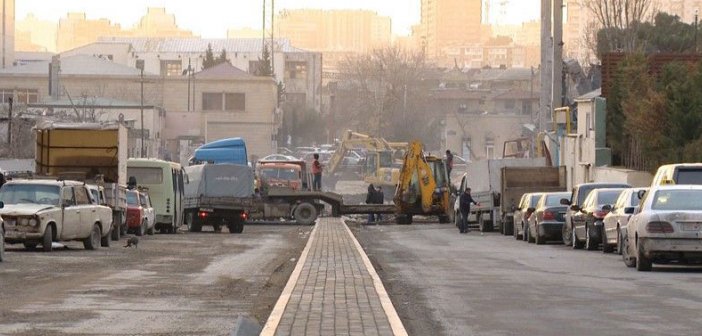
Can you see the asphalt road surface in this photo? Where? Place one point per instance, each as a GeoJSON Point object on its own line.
{"type": "Point", "coordinates": [444, 283]}
{"type": "Point", "coordinates": [183, 284]}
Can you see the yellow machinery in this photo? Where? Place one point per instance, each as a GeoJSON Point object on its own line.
{"type": "Point", "coordinates": [423, 187]}
{"type": "Point", "coordinates": [379, 169]}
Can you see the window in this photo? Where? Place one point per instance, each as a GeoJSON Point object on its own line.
{"type": "Point", "coordinates": [171, 68]}
{"type": "Point", "coordinates": [145, 175]}
{"type": "Point", "coordinates": [526, 107]}
{"type": "Point", "coordinates": [295, 70]}
{"type": "Point", "coordinates": [20, 96]}
{"type": "Point", "coordinates": [212, 101]}
{"type": "Point", "coordinates": [67, 197]}
{"type": "Point", "coordinates": [81, 196]}
{"type": "Point", "coordinates": [142, 201]}
{"type": "Point", "coordinates": [490, 148]}
{"type": "Point", "coordinates": [234, 101]}
{"type": "Point", "coordinates": [132, 198]}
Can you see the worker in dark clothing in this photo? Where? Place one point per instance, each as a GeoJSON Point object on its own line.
{"type": "Point", "coordinates": [449, 161]}
{"type": "Point", "coordinates": [370, 199]}
{"type": "Point", "coordinates": [379, 199]}
{"type": "Point", "coordinates": [465, 201]}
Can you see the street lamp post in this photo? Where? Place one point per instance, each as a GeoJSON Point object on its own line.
{"type": "Point", "coordinates": [696, 20]}
{"type": "Point", "coordinates": [143, 144]}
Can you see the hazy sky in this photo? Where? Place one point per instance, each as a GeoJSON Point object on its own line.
{"type": "Point", "coordinates": [211, 18]}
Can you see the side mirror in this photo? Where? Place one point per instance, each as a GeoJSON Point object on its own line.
{"type": "Point", "coordinates": [607, 207]}
{"type": "Point", "coordinates": [629, 210]}
{"type": "Point", "coordinates": [641, 193]}
{"type": "Point", "coordinates": [565, 201]}
{"type": "Point", "coordinates": [574, 207]}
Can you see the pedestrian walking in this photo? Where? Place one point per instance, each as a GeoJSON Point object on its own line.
{"type": "Point", "coordinates": [316, 173]}
{"type": "Point", "coordinates": [370, 199]}
{"type": "Point", "coordinates": [449, 161]}
{"type": "Point", "coordinates": [465, 201]}
{"type": "Point", "coordinates": [379, 199]}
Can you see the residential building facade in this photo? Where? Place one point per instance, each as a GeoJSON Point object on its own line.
{"type": "Point", "coordinates": [447, 24]}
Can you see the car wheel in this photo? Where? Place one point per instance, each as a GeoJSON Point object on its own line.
{"type": "Point", "coordinates": [530, 236]}
{"type": "Point", "coordinates": [105, 241]}
{"type": "Point", "coordinates": [590, 245]}
{"type": "Point", "coordinates": [538, 238]}
{"type": "Point", "coordinates": [606, 247]}
{"type": "Point", "coordinates": [515, 232]}
{"type": "Point", "coordinates": [47, 239]}
{"type": "Point", "coordinates": [140, 229]}
{"type": "Point", "coordinates": [643, 263]}
{"type": "Point", "coordinates": [566, 236]}
{"type": "Point", "coordinates": [619, 241]}
{"type": "Point", "coordinates": [30, 246]}
{"type": "Point", "coordinates": [93, 240]}
{"type": "Point", "coordinates": [524, 232]}
{"type": "Point", "coordinates": [576, 243]}
{"type": "Point", "coordinates": [629, 261]}
{"type": "Point", "coordinates": [151, 231]}
{"type": "Point", "coordinates": [116, 231]}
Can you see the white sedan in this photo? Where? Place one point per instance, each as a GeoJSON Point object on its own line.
{"type": "Point", "coordinates": [666, 228]}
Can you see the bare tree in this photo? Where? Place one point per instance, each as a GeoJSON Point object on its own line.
{"type": "Point", "coordinates": [616, 22]}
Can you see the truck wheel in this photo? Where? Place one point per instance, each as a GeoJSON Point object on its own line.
{"type": "Point", "coordinates": [93, 241]}
{"type": "Point", "coordinates": [305, 214]}
{"type": "Point", "coordinates": [30, 246]}
{"type": "Point", "coordinates": [403, 219]}
{"type": "Point", "coordinates": [151, 231]}
{"type": "Point", "coordinates": [105, 241]}
{"type": "Point", "coordinates": [140, 229]}
{"type": "Point", "coordinates": [444, 219]}
{"type": "Point", "coordinates": [217, 227]}
{"type": "Point", "coordinates": [116, 231]}
{"type": "Point", "coordinates": [236, 227]}
{"type": "Point", "coordinates": [47, 239]}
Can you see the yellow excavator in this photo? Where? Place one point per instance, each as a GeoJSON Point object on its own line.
{"type": "Point", "coordinates": [423, 187]}
{"type": "Point", "coordinates": [379, 168]}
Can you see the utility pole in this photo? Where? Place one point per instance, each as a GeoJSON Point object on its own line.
{"type": "Point", "coordinates": [9, 124]}
{"type": "Point", "coordinates": [190, 71]}
{"type": "Point", "coordinates": [143, 144]}
{"type": "Point", "coordinates": [697, 12]}
{"type": "Point", "coordinates": [546, 65]}
{"type": "Point", "coordinates": [558, 92]}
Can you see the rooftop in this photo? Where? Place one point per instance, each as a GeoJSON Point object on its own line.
{"type": "Point", "coordinates": [76, 65]}
{"type": "Point", "coordinates": [198, 45]}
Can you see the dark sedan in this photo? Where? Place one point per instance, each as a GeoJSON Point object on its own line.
{"type": "Point", "coordinates": [589, 219]}
{"type": "Point", "coordinates": [546, 222]}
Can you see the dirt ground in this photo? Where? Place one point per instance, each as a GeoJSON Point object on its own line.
{"type": "Point", "coordinates": [183, 284]}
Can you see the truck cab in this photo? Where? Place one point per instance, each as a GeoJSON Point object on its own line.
{"type": "Point", "coordinates": [289, 175]}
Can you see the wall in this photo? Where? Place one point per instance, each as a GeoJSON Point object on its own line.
{"type": "Point", "coordinates": [480, 128]}
{"type": "Point", "coordinates": [634, 178]}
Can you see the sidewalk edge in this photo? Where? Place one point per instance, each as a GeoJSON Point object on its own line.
{"type": "Point", "coordinates": [398, 329]}
{"type": "Point", "coordinates": [276, 315]}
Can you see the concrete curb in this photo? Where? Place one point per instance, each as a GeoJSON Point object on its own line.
{"type": "Point", "coordinates": [398, 329]}
{"type": "Point", "coordinates": [277, 314]}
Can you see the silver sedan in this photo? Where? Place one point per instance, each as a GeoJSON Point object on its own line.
{"type": "Point", "coordinates": [666, 228]}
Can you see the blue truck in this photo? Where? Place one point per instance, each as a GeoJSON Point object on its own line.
{"type": "Point", "coordinates": [230, 150]}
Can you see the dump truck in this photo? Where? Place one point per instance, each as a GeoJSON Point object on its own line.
{"type": "Point", "coordinates": [92, 152]}
{"type": "Point", "coordinates": [499, 184]}
{"type": "Point", "coordinates": [218, 195]}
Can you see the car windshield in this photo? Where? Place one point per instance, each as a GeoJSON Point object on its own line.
{"type": "Point", "coordinates": [608, 196]}
{"type": "Point", "coordinates": [555, 199]}
{"type": "Point", "coordinates": [30, 194]}
{"type": "Point", "coordinates": [677, 200]}
{"type": "Point", "coordinates": [280, 173]}
{"type": "Point", "coordinates": [132, 198]}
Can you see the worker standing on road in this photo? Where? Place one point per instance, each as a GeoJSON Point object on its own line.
{"type": "Point", "coordinates": [465, 201]}
{"type": "Point", "coordinates": [379, 199]}
{"type": "Point", "coordinates": [316, 173]}
{"type": "Point", "coordinates": [449, 161]}
{"type": "Point", "coordinates": [370, 199]}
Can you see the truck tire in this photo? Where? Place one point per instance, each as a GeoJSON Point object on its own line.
{"type": "Point", "coordinates": [403, 219]}
{"type": "Point", "coordinates": [305, 214]}
{"type": "Point", "coordinates": [116, 227]}
{"type": "Point", "coordinates": [236, 226]}
{"type": "Point", "coordinates": [47, 239]}
{"type": "Point", "coordinates": [105, 241]}
{"type": "Point", "coordinates": [92, 242]}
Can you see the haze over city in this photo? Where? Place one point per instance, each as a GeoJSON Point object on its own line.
{"type": "Point", "coordinates": [212, 18]}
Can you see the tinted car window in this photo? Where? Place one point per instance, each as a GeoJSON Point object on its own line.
{"type": "Point", "coordinates": [689, 176]}
{"type": "Point", "coordinates": [555, 199]}
{"type": "Point", "coordinates": [608, 196]}
{"type": "Point", "coordinates": [583, 193]}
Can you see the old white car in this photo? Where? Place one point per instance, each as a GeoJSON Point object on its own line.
{"type": "Point", "coordinates": [2, 240]}
{"type": "Point", "coordinates": [666, 228]}
{"type": "Point", "coordinates": [39, 212]}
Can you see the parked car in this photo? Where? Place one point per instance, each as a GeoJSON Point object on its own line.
{"type": "Point", "coordinates": [589, 219]}
{"type": "Point", "coordinates": [546, 221]}
{"type": "Point", "coordinates": [104, 212]}
{"type": "Point", "coordinates": [2, 239]}
{"type": "Point", "coordinates": [140, 213]}
{"type": "Point", "coordinates": [522, 213]}
{"type": "Point", "coordinates": [618, 217]}
{"type": "Point", "coordinates": [666, 228]}
{"type": "Point", "coordinates": [39, 212]}
{"type": "Point", "coordinates": [577, 197]}
{"type": "Point", "coordinates": [680, 173]}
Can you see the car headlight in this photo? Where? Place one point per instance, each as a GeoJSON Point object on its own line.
{"type": "Point", "coordinates": [33, 222]}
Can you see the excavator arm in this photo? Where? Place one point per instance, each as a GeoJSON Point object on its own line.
{"type": "Point", "coordinates": [416, 179]}
{"type": "Point", "coordinates": [352, 140]}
